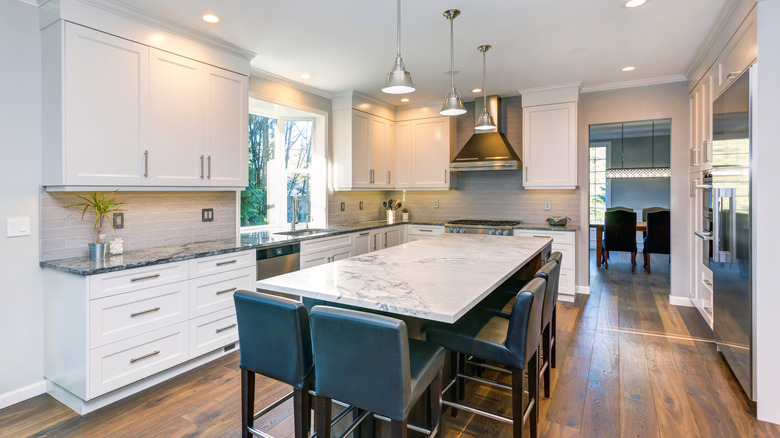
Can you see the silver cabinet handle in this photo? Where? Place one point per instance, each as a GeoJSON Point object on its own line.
{"type": "Point", "coordinates": [209, 160]}
{"type": "Point", "coordinates": [143, 312]}
{"type": "Point", "coordinates": [219, 330]}
{"type": "Point", "coordinates": [147, 277]}
{"type": "Point", "coordinates": [707, 282]}
{"type": "Point", "coordinates": [154, 353]}
{"type": "Point", "coordinates": [372, 176]}
{"type": "Point", "coordinates": [544, 237]}
{"type": "Point", "coordinates": [526, 174]}
{"type": "Point", "coordinates": [229, 262]}
{"type": "Point", "coordinates": [388, 177]}
{"type": "Point", "coordinates": [445, 176]}
{"type": "Point", "coordinates": [146, 163]}
{"type": "Point", "coordinates": [425, 231]}
{"type": "Point", "coordinates": [705, 236]}
{"type": "Point", "coordinates": [220, 292]}
{"type": "Point", "coordinates": [201, 167]}
{"type": "Point", "coordinates": [365, 234]}
{"type": "Point", "coordinates": [733, 75]}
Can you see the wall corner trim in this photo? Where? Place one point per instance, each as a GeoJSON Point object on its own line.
{"type": "Point", "coordinates": [22, 394]}
{"type": "Point", "coordinates": [680, 301]}
{"type": "Point", "coordinates": [584, 290]}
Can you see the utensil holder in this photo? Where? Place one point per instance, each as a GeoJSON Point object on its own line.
{"type": "Point", "coordinates": [390, 216]}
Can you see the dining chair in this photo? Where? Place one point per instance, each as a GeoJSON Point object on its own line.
{"type": "Point", "coordinates": [513, 342]}
{"type": "Point", "coordinates": [658, 236]}
{"type": "Point", "coordinates": [647, 210]}
{"type": "Point", "coordinates": [368, 361]}
{"type": "Point", "coordinates": [619, 235]}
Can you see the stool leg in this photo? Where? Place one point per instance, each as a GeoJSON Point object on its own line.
{"type": "Point", "coordinates": [398, 429]}
{"type": "Point", "coordinates": [247, 401]}
{"type": "Point", "coordinates": [461, 383]}
{"type": "Point", "coordinates": [301, 412]}
{"type": "Point", "coordinates": [533, 394]}
{"type": "Point", "coordinates": [517, 402]}
{"type": "Point", "coordinates": [553, 335]}
{"type": "Point", "coordinates": [434, 404]}
{"type": "Point", "coordinates": [323, 417]}
{"type": "Point", "coordinates": [454, 373]}
{"type": "Point", "coordinates": [546, 340]}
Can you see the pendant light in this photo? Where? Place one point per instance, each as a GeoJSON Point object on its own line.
{"type": "Point", "coordinates": [399, 81]}
{"type": "Point", "coordinates": [485, 120]}
{"type": "Point", "coordinates": [452, 105]}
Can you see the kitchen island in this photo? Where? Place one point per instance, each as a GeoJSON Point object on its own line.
{"type": "Point", "coordinates": [436, 279]}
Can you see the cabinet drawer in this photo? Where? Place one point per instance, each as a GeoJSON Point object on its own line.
{"type": "Point", "coordinates": [560, 237]}
{"type": "Point", "coordinates": [212, 331]}
{"type": "Point", "coordinates": [567, 252]}
{"type": "Point", "coordinates": [124, 362]}
{"type": "Point", "coordinates": [121, 316]}
{"type": "Point", "coordinates": [112, 283]}
{"type": "Point", "coordinates": [221, 263]}
{"type": "Point", "coordinates": [566, 283]}
{"type": "Point", "coordinates": [215, 292]}
{"type": "Point", "coordinates": [317, 245]}
{"type": "Point", "coordinates": [425, 230]}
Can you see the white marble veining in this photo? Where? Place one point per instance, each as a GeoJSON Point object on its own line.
{"type": "Point", "coordinates": [438, 279]}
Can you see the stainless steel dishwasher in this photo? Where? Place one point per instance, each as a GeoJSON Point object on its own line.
{"type": "Point", "coordinates": [278, 260]}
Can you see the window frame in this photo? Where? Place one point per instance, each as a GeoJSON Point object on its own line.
{"type": "Point", "coordinates": [605, 146]}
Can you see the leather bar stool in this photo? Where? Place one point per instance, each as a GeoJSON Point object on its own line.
{"type": "Point", "coordinates": [368, 361]}
{"type": "Point", "coordinates": [513, 342]}
{"type": "Point", "coordinates": [276, 343]}
{"type": "Point", "coordinates": [551, 273]}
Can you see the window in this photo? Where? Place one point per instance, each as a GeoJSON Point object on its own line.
{"type": "Point", "coordinates": [286, 160]}
{"type": "Point", "coordinates": [598, 183]}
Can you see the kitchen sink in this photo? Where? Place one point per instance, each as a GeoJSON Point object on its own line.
{"type": "Point", "coordinates": [309, 232]}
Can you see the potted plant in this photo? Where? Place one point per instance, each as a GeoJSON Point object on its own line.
{"type": "Point", "coordinates": [103, 206]}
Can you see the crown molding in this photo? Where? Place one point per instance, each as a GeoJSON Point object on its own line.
{"type": "Point", "coordinates": [550, 88]}
{"type": "Point", "coordinates": [144, 17]}
{"type": "Point", "coordinates": [636, 83]}
{"type": "Point", "coordinates": [726, 11]}
{"type": "Point", "coordinates": [290, 83]}
{"type": "Point", "coordinates": [37, 3]}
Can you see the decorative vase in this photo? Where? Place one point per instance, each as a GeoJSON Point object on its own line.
{"type": "Point", "coordinates": [97, 251]}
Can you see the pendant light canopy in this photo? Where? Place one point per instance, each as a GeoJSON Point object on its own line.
{"type": "Point", "coordinates": [485, 121]}
{"type": "Point", "coordinates": [452, 105]}
{"type": "Point", "coordinates": [399, 81]}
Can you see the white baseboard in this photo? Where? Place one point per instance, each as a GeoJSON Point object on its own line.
{"type": "Point", "coordinates": [22, 394]}
{"type": "Point", "coordinates": [584, 290]}
{"type": "Point", "coordinates": [680, 301]}
{"type": "Point", "coordinates": [566, 298]}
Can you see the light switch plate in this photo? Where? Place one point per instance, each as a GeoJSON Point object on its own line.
{"type": "Point", "coordinates": [436, 204]}
{"type": "Point", "coordinates": [18, 226]}
{"type": "Point", "coordinates": [547, 205]}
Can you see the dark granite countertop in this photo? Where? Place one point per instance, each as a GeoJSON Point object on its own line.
{"type": "Point", "coordinates": [174, 253]}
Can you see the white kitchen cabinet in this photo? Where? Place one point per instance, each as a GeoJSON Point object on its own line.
{"type": "Point", "coordinates": [701, 123]}
{"type": "Point", "coordinates": [550, 146]}
{"type": "Point", "coordinates": [385, 237]}
{"type": "Point", "coordinates": [227, 133]}
{"type": "Point", "coordinates": [317, 252]}
{"type": "Point", "coordinates": [424, 149]}
{"type": "Point", "coordinates": [564, 242]}
{"type": "Point", "coordinates": [739, 54]}
{"type": "Point", "coordinates": [418, 232]}
{"type": "Point", "coordinates": [361, 243]}
{"type": "Point", "coordinates": [364, 150]}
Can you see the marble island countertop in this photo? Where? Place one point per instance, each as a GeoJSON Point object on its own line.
{"type": "Point", "coordinates": [437, 279]}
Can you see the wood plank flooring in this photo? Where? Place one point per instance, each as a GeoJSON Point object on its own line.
{"type": "Point", "coordinates": [630, 365]}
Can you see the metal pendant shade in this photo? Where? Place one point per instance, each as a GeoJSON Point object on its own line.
{"type": "Point", "coordinates": [399, 81]}
{"type": "Point", "coordinates": [453, 105]}
{"type": "Point", "coordinates": [485, 121]}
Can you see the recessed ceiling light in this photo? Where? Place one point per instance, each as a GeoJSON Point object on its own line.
{"type": "Point", "coordinates": [305, 76]}
{"type": "Point", "coordinates": [635, 3]}
{"type": "Point", "coordinates": [405, 99]}
{"type": "Point", "coordinates": [476, 90]}
{"type": "Point", "coordinates": [628, 68]}
{"type": "Point", "coordinates": [210, 18]}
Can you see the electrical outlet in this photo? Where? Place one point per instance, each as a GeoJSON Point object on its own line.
{"type": "Point", "coordinates": [343, 206]}
{"type": "Point", "coordinates": [18, 226]}
{"type": "Point", "coordinates": [436, 204]}
{"type": "Point", "coordinates": [118, 221]}
{"type": "Point", "coordinates": [207, 215]}
{"type": "Point", "coordinates": [361, 205]}
{"type": "Point", "coordinates": [547, 205]}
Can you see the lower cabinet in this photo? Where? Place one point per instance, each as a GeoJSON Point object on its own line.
{"type": "Point", "coordinates": [317, 252]}
{"type": "Point", "coordinates": [417, 232]}
{"type": "Point", "coordinates": [564, 242]}
{"type": "Point", "coordinates": [386, 237]}
{"type": "Point", "coordinates": [109, 332]}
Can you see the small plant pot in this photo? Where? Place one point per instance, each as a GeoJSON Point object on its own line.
{"type": "Point", "coordinates": [97, 251]}
{"type": "Point", "coordinates": [405, 216]}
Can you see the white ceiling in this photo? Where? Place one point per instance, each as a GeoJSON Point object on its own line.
{"type": "Point", "coordinates": [350, 44]}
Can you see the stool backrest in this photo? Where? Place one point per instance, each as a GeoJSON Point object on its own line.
{"type": "Point", "coordinates": [550, 272]}
{"type": "Point", "coordinates": [275, 337]}
{"type": "Point", "coordinates": [620, 230]}
{"type": "Point", "coordinates": [525, 322]}
{"type": "Point", "coordinates": [362, 359]}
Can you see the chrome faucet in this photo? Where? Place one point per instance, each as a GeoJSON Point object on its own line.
{"type": "Point", "coordinates": [294, 220]}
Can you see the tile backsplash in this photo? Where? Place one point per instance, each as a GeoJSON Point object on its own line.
{"type": "Point", "coordinates": [372, 206]}
{"type": "Point", "coordinates": [151, 219]}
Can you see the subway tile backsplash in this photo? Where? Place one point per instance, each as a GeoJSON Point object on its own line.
{"type": "Point", "coordinates": [151, 219]}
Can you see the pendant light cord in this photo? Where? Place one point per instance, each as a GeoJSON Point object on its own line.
{"type": "Point", "coordinates": [484, 81]}
{"type": "Point", "coordinates": [398, 32]}
{"type": "Point", "coordinates": [452, 55]}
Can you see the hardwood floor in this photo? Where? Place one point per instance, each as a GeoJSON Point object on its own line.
{"type": "Point", "coordinates": [630, 364]}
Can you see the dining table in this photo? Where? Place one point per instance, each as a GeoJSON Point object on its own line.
{"type": "Point", "coordinates": [640, 226]}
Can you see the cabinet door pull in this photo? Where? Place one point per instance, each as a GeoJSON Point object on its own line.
{"type": "Point", "coordinates": [365, 234]}
{"type": "Point", "coordinates": [229, 262]}
{"type": "Point", "coordinates": [209, 160]}
{"type": "Point", "coordinates": [388, 177]}
{"type": "Point", "coordinates": [445, 176]}
{"type": "Point", "coordinates": [526, 174]}
{"type": "Point", "coordinates": [733, 75]}
{"type": "Point", "coordinates": [201, 167]}
{"type": "Point", "coordinates": [146, 277]}
{"type": "Point", "coordinates": [220, 292]}
{"type": "Point", "coordinates": [154, 353]}
{"type": "Point", "coordinates": [146, 163]}
{"type": "Point", "coordinates": [707, 282]}
{"type": "Point", "coordinates": [143, 312]}
{"type": "Point", "coordinates": [219, 330]}
{"type": "Point", "coordinates": [425, 231]}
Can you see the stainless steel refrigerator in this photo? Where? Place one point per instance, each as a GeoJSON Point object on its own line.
{"type": "Point", "coordinates": [730, 256]}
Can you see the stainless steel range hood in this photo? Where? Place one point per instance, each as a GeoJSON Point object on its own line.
{"type": "Point", "coordinates": [488, 150]}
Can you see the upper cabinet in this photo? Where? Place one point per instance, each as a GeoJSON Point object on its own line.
{"type": "Point", "coordinates": [124, 114]}
{"type": "Point", "coordinates": [424, 149]}
{"type": "Point", "coordinates": [363, 150]}
{"type": "Point", "coordinates": [550, 137]}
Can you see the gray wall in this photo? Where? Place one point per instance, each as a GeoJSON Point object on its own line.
{"type": "Point", "coordinates": [21, 313]}
{"type": "Point", "coordinates": [639, 193]}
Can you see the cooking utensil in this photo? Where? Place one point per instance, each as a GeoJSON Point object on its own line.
{"type": "Point", "coordinates": [397, 205]}
{"type": "Point", "coordinates": [384, 203]}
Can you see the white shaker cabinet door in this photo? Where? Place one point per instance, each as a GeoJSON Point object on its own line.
{"type": "Point", "coordinates": [105, 104]}
{"type": "Point", "coordinates": [550, 146]}
{"type": "Point", "coordinates": [178, 110]}
{"type": "Point", "coordinates": [226, 129]}
{"type": "Point", "coordinates": [431, 153]}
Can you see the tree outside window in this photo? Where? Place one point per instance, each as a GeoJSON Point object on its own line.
{"type": "Point", "coordinates": [598, 183]}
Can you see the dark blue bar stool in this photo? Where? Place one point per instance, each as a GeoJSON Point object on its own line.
{"type": "Point", "coordinates": [275, 342]}
{"type": "Point", "coordinates": [513, 342]}
{"type": "Point", "coordinates": [368, 361]}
